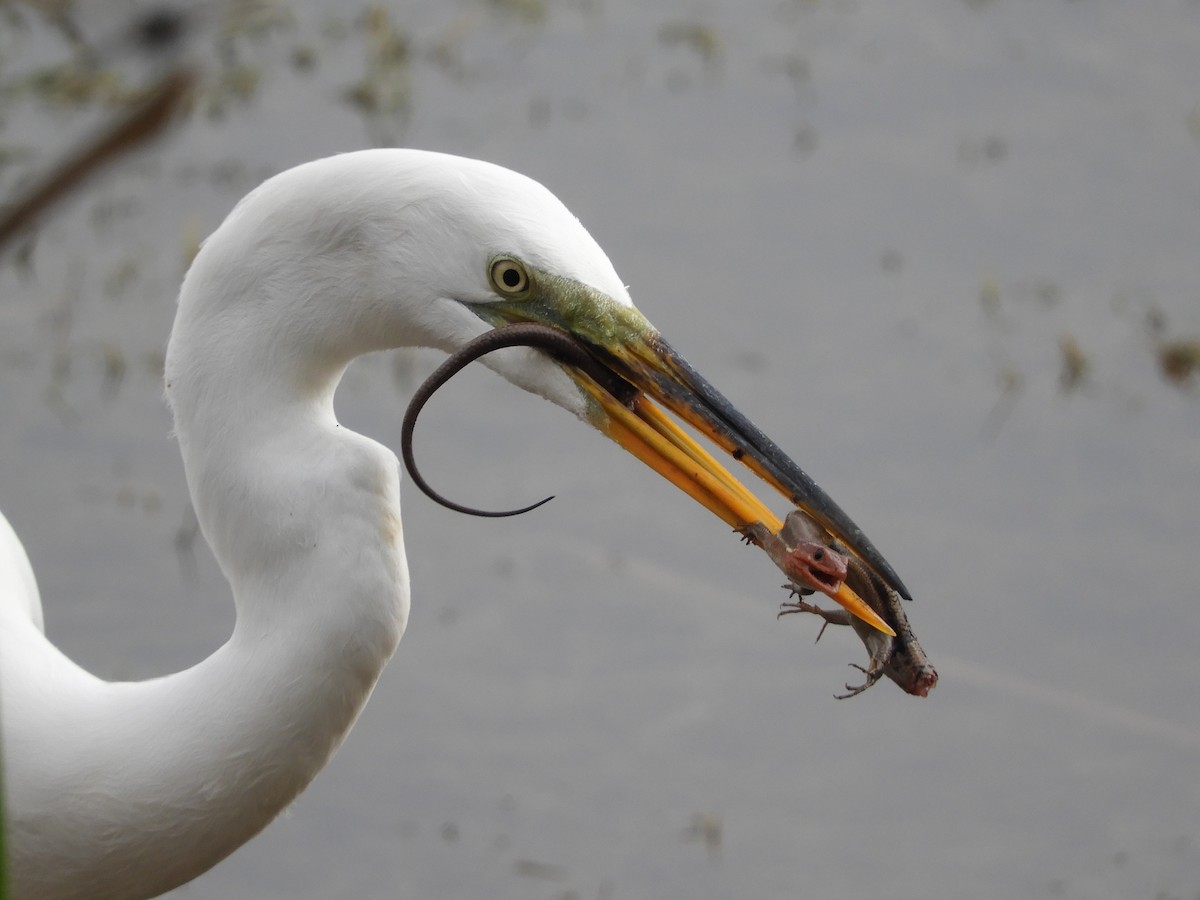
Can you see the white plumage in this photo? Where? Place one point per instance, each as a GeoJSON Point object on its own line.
{"type": "Point", "coordinates": [128, 789]}
{"type": "Point", "coordinates": [125, 790]}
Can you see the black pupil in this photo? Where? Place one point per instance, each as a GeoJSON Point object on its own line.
{"type": "Point", "coordinates": [511, 277]}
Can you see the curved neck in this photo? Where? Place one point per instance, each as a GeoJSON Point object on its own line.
{"type": "Point", "coordinates": [161, 779]}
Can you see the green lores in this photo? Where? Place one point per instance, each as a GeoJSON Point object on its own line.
{"type": "Point", "coordinates": [531, 295]}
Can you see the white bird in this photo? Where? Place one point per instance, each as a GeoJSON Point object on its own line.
{"type": "Point", "coordinates": [128, 789]}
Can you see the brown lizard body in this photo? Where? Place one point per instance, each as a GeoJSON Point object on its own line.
{"type": "Point", "coordinates": [901, 657]}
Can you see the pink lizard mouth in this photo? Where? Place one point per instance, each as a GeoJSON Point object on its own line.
{"type": "Point", "coordinates": [813, 564]}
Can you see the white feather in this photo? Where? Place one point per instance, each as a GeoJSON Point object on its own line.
{"type": "Point", "coordinates": [125, 790]}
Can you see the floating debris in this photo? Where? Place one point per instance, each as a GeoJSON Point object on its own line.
{"type": "Point", "coordinates": [525, 10]}
{"type": "Point", "coordinates": [976, 152]}
{"type": "Point", "coordinates": [1193, 124]}
{"type": "Point", "coordinates": [706, 828]}
{"type": "Point", "coordinates": [158, 108]}
{"type": "Point", "coordinates": [1075, 363]}
{"type": "Point", "coordinates": [531, 868]}
{"type": "Point", "coordinates": [989, 296]}
{"type": "Point", "coordinates": [385, 90]}
{"type": "Point", "coordinates": [1180, 360]}
{"type": "Point", "coordinates": [703, 39]}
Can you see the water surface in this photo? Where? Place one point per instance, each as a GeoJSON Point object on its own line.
{"type": "Point", "coordinates": [871, 226]}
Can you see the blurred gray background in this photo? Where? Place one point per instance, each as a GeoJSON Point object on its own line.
{"type": "Point", "coordinates": [945, 253]}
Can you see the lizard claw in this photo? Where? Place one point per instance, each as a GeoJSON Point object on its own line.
{"type": "Point", "coordinates": [787, 609]}
{"type": "Point", "coordinates": [753, 534]}
{"type": "Point", "coordinates": [873, 675]}
{"type": "Point", "coordinates": [797, 606]}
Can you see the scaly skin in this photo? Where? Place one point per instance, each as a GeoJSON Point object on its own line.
{"type": "Point", "coordinates": [801, 552]}
{"type": "Point", "coordinates": [794, 549]}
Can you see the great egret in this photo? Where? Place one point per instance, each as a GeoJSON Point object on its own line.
{"type": "Point", "coordinates": [127, 789]}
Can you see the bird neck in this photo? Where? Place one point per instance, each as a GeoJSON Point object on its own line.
{"type": "Point", "coordinates": [161, 779]}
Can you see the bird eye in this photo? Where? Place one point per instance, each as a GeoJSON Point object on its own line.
{"type": "Point", "coordinates": [509, 277]}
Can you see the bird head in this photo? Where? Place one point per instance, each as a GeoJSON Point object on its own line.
{"type": "Point", "coordinates": [436, 250]}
